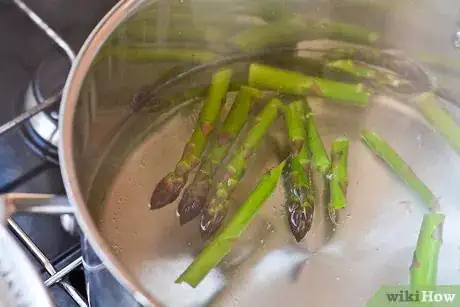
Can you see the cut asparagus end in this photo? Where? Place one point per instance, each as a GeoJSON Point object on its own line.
{"type": "Point", "coordinates": [440, 119]}
{"type": "Point", "coordinates": [193, 201]}
{"type": "Point", "coordinates": [424, 266]}
{"type": "Point", "coordinates": [166, 191]}
{"type": "Point", "coordinates": [383, 150]}
{"type": "Point", "coordinates": [338, 178]}
{"type": "Point", "coordinates": [290, 82]}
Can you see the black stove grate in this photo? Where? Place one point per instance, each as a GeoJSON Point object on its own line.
{"type": "Point", "coordinates": [23, 171]}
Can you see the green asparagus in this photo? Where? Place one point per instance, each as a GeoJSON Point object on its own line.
{"type": "Point", "coordinates": [169, 188]}
{"type": "Point", "coordinates": [338, 182]}
{"type": "Point", "coordinates": [290, 82]}
{"type": "Point", "coordinates": [298, 28]}
{"type": "Point", "coordinates": [441, 120]}
{"type": "Point", "coordinates": [149, 52]}
{"type": "Point", "coordinates": [215, 212]}
{"type": "Point", "coordinates": [410, 75]}
{"type": "Point", "coordinates": [424, 266]}
{"type": "Point", "coordinates": [297, 174]}
{"type": "Point", "coordinates": [222, 243]}
{"type": "Point", "coordinates": [323, 28]}
{"type": "Point", "coordinates": [195, 195]}
{"type": "Point", "coordinates": [378, 77]}
{"type": "Point", "coordinates": [394, 161]}
{"type": "Point", "coordinates": [319, 154]}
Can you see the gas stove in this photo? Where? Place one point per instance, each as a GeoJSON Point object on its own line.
{"type": "Point", "coordinates": [35, 62]}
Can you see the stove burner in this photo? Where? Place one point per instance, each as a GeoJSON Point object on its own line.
{"type": "Point", "coordinates": [41, 131]}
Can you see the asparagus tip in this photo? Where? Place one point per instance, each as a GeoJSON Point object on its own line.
{"type": "Point", "coordinates": [166, 191]}
{"type": "Point", "coordinates": [300, 219]}
{"type": "Point", "coordinates": [192, 202]}
{"type": "Point", "coordinates": [211, 222]}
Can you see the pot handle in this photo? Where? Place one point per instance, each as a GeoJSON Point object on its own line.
{"type": "Point", "coordinates": [35, 203]}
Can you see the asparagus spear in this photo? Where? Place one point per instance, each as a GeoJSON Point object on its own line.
{"type": "Point", "coordinates": [439, 118]}
{"type": "Point", "coordinates": [323, 28]}
{"type": "Point", "coordinates": [405, 68]}
{"type": "Point", "coordinates": [222, 243]}
{"type": "Point", "coordinates": [425, 262]}
{"type": "Point", "coordinates": [319, 155]}
{"type": "Point", "coordinates": [363, 71]}
{"type": "Point", "coordinates": [338, 178]}
{"type": "Point", "coordinates": [168, 189]}
{"type": "Point", "coordinates": [298, 84]}
{"type": "Point", "coordinates": [394, 161]}
{"type": "Point", "coordinates": [297, 174]}
{"type": "Point", "coordinates": [298, 28]}
{"type": "Point", "coordinates": [195, 195]}
{"type": "Point", "coordinates": [280, 32]}
{"type": "Point", "coordinates": [148, 52]}
{"type": "Point", "coordinates": [215, 212]}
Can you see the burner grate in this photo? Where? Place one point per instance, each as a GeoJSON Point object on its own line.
{"type": "Point", "coordinates": [56, 276]}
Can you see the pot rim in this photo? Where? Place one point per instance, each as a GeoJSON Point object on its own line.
{"type": "Point", "coordinates": [119, 13]}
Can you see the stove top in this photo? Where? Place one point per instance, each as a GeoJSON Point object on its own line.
{"type": "Point", "coordinates": [34, 66]}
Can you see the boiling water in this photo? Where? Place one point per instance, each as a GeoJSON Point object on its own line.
{"type": "Point", "coordinates": [372, 245]}
{"type": "Point", "coordinates": [333, 266]}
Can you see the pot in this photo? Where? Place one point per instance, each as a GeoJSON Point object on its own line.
{"type": "Point", "coordinates": [125, 121]}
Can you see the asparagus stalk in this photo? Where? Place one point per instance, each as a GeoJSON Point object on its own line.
{"type": "Point", "coordinates": [214, 214]}
{"type": "Point", "coordinates": [220, 246]}
{"type": "Point", "coordinates": [394, 161]}
{"type": "Point", "coordinates": [319, 155]}
{"type": "Point", "coordinates": [405, 68]}
{"type": "Point", "coordinates": [424, 266]}
{"type": "Point", "coordinates": [280, 32]}
{"type": "Point", "coordinates": [169, 188]}
{"type": "Point", "coordinates": [298, 28]}
{"type": "Point", "coordinates": [149, 52]}
{"type": "Point", "coordinates": [379, 77]}
{"type": "Point", "coordinates": [338, 178]}
{"type": "Point", "coordinates": [195, 195]}
{"type": "Point", "coordinates": [297, 174]}
{"type": "Point", "coordinates": [290, 82]}
{"type": "Point", "coordinates": [323, 28]}
{"type": "Point", "coordinates": [439, 118]}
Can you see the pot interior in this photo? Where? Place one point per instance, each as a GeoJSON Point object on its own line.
{"type": "Point", "coordinates": [129, 130]}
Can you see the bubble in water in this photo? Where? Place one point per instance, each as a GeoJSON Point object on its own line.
{"type": "Point", "coordinates": [419, 140]}
{"type": "Point", "coordinates": [116, 249]}
{"type": "Point", "coordinates": [456, 40]}
{"type": "Point", "coordinates": [141, 163]}
{"type": "Point", "coordinates": [269, 227]}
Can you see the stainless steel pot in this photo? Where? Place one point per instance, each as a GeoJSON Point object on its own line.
{"type": "Point", "coordinates": [113, 151]}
